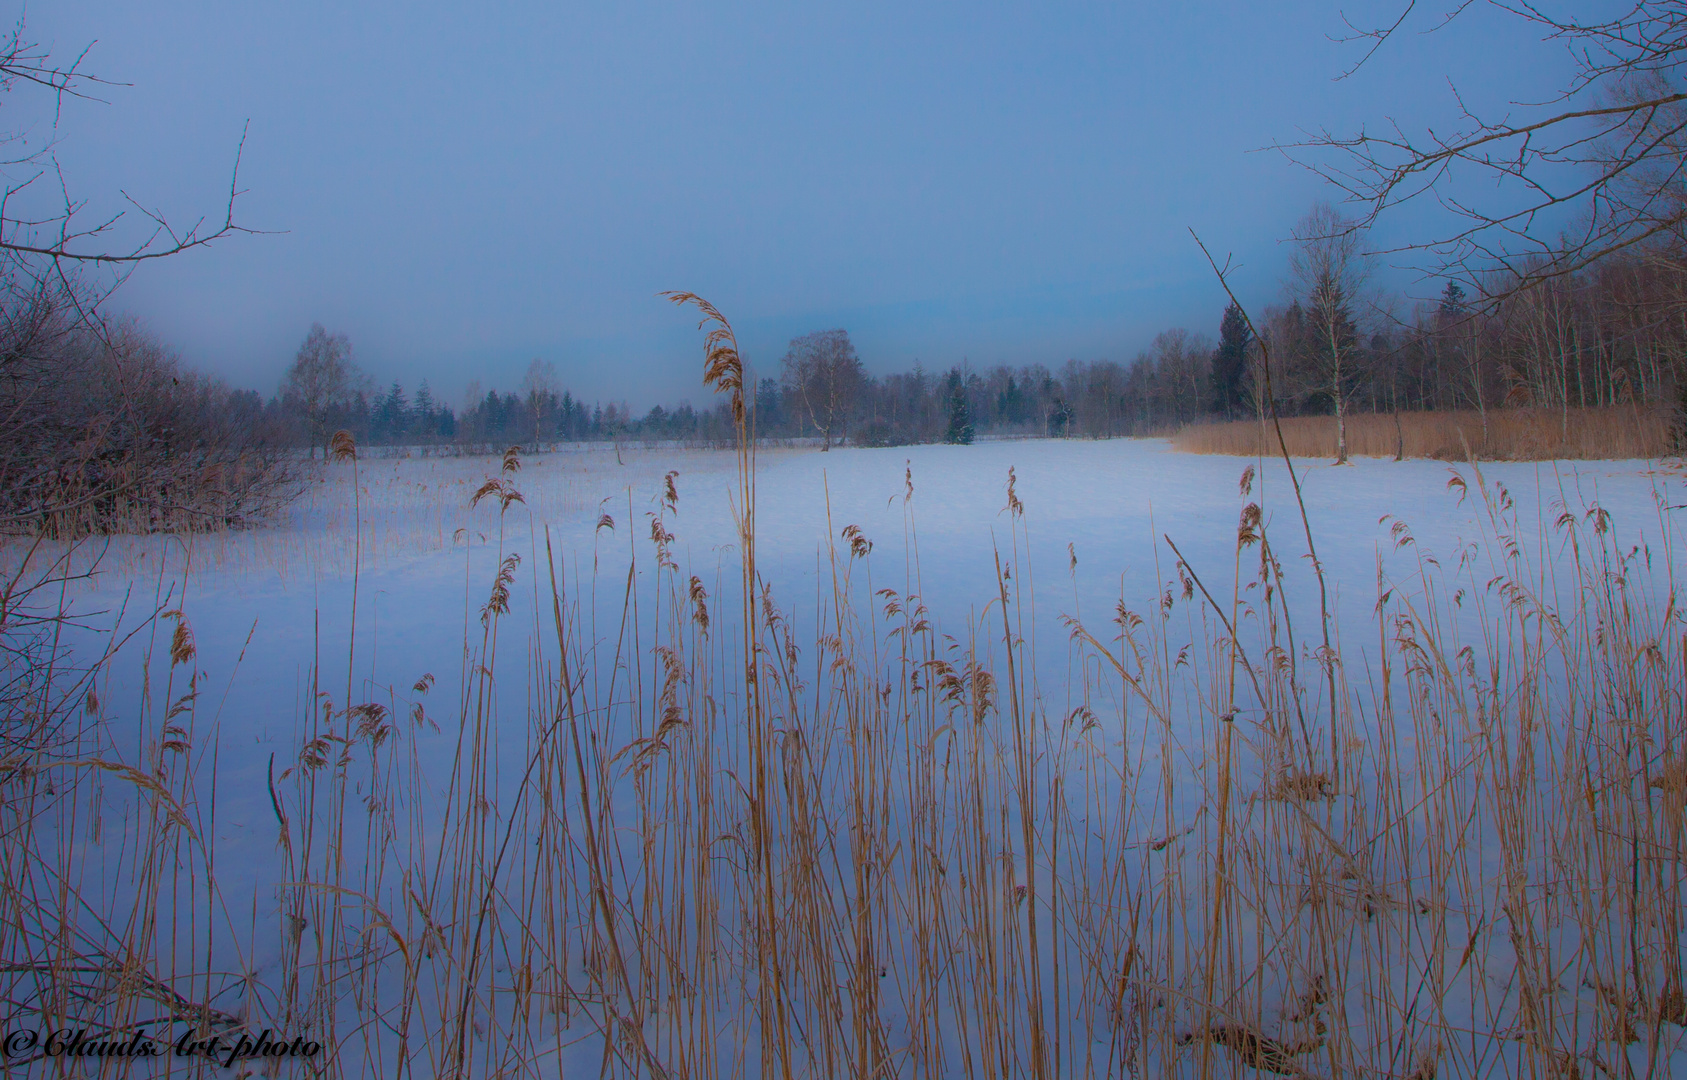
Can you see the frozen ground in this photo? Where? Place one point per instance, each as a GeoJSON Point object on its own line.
{"type": "Point", "coordinates": [262, 604]}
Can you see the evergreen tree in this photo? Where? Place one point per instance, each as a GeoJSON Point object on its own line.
{"type": "Point", "coordinates": [392, 414]}
{"type": "Point", "coordinates": [495, 415]}
{"type": "Point", "coordinates": [959, 431]}
{"type": "Point", "coordinates": [1230, 361]}
{"type": "Point", "coordinates": [1452, 303]}
{"type": "Point", "coordinates": [768, 418]}
{"type": "Point", "coordinates": [423, 421]}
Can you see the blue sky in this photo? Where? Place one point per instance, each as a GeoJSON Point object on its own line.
{"type": "Point", "coordinates": [461, 188]}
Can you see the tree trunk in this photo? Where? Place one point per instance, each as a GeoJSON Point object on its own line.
{"type": "Point", "coordinates": [1399, 433]}
{"type": "Point", "coordinates": [1341, 434]}
{"type": "Point", "coordinates": [1341, 415]}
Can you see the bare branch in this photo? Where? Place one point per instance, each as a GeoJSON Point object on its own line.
{"type": "Point", "coordinates": [1595, 169]}
{"type": "Point", "coordinates": [58, 235]}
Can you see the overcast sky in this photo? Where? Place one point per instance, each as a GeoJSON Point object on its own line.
{"type": "Point", "coordinates": [463, 187]}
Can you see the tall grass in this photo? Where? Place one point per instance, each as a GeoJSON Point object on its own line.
{"type": "Point", "coordinates": [736, 842]}
{"type": "Point", "coordinates": [1621, 432]}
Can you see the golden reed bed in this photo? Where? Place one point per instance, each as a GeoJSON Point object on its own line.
{"type": "Point", "coordinates": [1512, 434]}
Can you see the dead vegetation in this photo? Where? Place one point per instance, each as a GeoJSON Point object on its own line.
{"type": "Point", "coordinates": [1613, 432]}
{"type": "Point", "coordinates": [101, 430]}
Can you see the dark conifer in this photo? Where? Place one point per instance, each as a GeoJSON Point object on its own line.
{"type": "Point", "coordinates": [959, 431]}
{"type": "Point", "coordinates": [1230, 361]}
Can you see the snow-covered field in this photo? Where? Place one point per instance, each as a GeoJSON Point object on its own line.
{"type": "Point", "coordinates": [427, 557]}
{"type": "Point", "coordinates": [269, 607]}
{"type": "Point", "coordinates": [264, 604]}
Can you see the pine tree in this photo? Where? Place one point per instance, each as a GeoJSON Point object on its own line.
{"type": "Point", "coordinates": [392, 414]}
{"type": "Point", "coordinates": [1230, 360]}
{"type": "Point", "coordinates": [768, 418]}
{"type": "Point", "coordinates": [1452, 303]}
{"type": "Point", "coordinates": [960, 430]}
{"type": "Point", "coordinates": [422, 418]}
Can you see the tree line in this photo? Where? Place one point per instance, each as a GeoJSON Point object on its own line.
{"type": "Point", "coordinates": [105, 428]}
{"type": "Point", "coordinates": [1098, 399]}
{"type": "Point", "coordinates": [1611, 333]}
{"type": "Point", "coordinates": [823, 392]}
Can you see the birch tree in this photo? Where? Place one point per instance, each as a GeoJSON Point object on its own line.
{"type": "Point", "coordinates": [825, 376]}
{"type": "Point", "coordinates": [1329, 272]}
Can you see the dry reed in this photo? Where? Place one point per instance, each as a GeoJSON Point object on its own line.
{"type": "Point", "coordinates": [1616, 432]}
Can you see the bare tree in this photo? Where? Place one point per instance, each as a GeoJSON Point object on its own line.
{"type": "Point", "coordinates": [1595, 169]}
{"type": "Point", "coordinates": [538, 386]}
{"type": "Point", "coordinates": [1329, 272]}
{"type": "Point", "coordinates": [823, 372]}
{"type": "Point", "coordinates": [320, 380]}
{"type": "Point", "coordinates": [1183, 363]}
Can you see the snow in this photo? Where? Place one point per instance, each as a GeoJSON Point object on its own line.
{"type": "Point", "coordinates": [427, 556]}
{"type": "Point", "coordinates": [262, 604]}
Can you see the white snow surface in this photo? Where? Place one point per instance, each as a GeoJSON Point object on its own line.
{"type": "Point", "coordinates": [262, 602]}
{"type": "Point", "coordinates": [427, 558]}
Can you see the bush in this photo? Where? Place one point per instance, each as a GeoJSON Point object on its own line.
{"type": "Point", "coordinates": [105, 432]}
{"type": "Point", "coordinates": [880, 433]}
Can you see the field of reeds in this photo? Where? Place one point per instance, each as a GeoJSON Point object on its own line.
{"type": "Point", "coordinates": [691, 823]}
{"type": "Point", "coordinates": [1619, 432]}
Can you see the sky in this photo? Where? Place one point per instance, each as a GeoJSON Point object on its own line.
{"type": "Point", "coordinates": [464, 188]}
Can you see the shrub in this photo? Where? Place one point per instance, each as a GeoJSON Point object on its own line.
{"type": "Point", "coordinates": [106, 432]}
{"type": "Point", "coordinates": [880, 433]}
